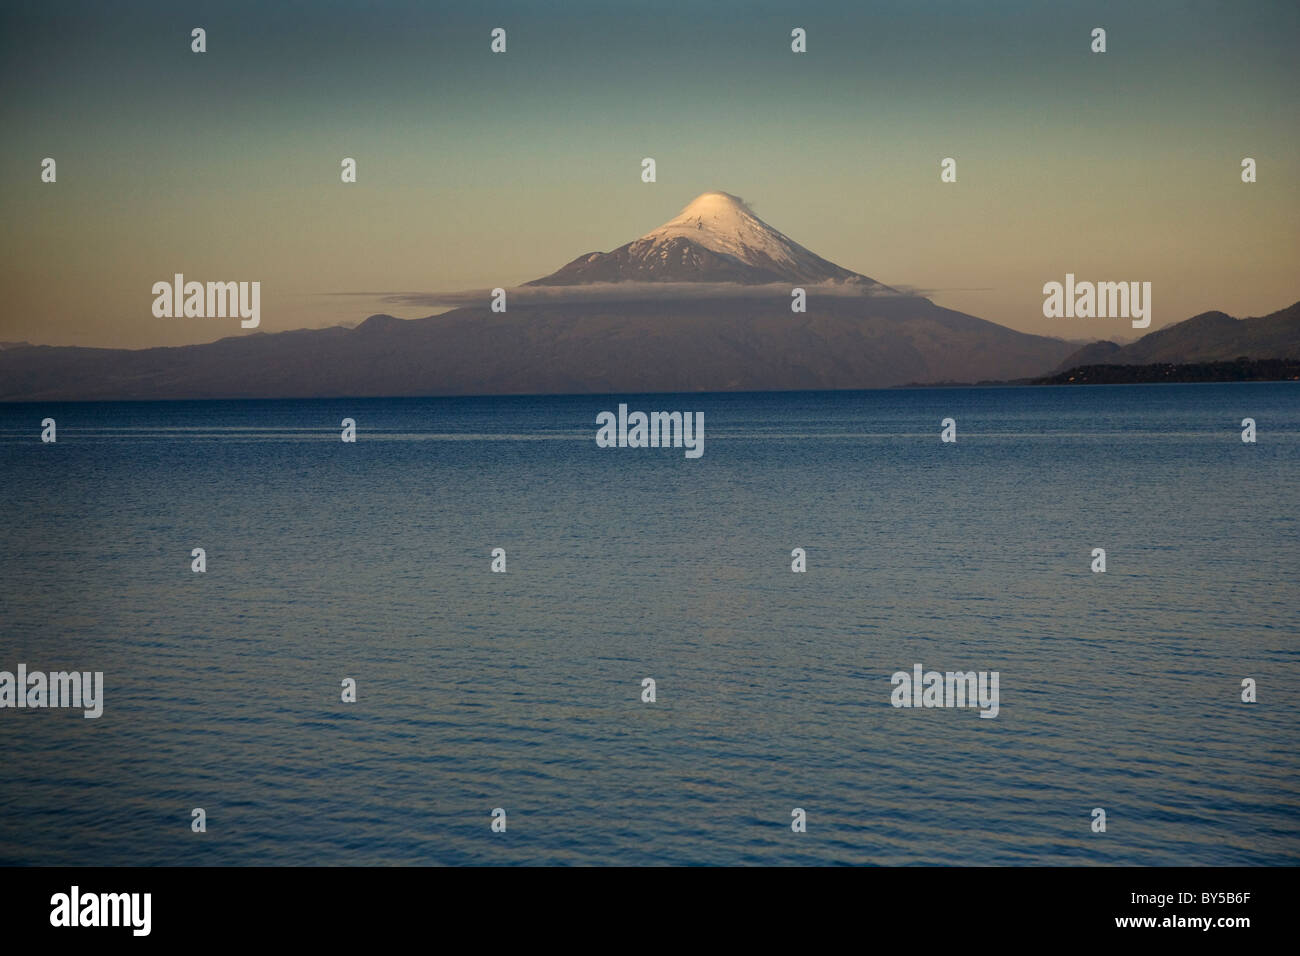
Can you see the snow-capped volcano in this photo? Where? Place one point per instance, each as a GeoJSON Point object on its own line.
{"type": "Point", "coordinates": [716, 238]}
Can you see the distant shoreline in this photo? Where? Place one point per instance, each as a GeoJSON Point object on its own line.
{"type": "Point", "coordinates": [1238, 370]}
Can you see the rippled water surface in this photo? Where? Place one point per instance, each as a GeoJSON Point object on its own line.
{"type": "Point", "coordinates": [522, 690]}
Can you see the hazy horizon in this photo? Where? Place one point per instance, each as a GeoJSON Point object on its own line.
{"type": "Point", "coordinates": [478, 170]}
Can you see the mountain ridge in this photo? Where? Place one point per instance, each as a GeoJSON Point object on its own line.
{"type": "Point", "coordinates": [1206, 337]}
{"type": "Point", "coordinates": [704, 345]}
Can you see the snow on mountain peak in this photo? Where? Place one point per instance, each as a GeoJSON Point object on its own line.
{"type": "Point", "coordinates": [723, 223]}
{"type": "Point", "coordinates": [716, 238]}
{"type": "Point", "coordinates": [723, 209]}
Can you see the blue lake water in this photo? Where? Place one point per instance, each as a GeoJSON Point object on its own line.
{"type": "Point", "coordinates": [521, 690]}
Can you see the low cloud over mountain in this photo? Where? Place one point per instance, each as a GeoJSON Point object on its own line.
{"type": "Point", "coordinates": [703, 303]}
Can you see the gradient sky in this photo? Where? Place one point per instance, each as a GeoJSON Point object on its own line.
{"type": "Point", "coordinates": [480, 170]}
